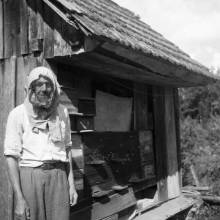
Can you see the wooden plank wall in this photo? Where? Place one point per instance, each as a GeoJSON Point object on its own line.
{"type": "Point", "coordinates": [13, 73]}
{"type": "Point", "coordinates": [28, 26]}
{"type": "Point", "coordinates": [166, 144]}
{"type": "Point", "coordinates": [7, 80]}
{"type": "Point", "coordinates": [141, 106]}
{"type": "Point", "coordinates": [1, 30]}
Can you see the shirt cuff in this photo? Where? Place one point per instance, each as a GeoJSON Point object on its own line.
{"type": "Point", "coordinates": [14, 153]}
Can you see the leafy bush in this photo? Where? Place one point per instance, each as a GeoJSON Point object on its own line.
{"type": "Point", "coordinates": [201, 147]}
{"type": "Point", "coordinates": [200, 134]}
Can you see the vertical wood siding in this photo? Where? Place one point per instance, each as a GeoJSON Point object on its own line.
{"type": "Point", "coordinates": [7, 80]}
{"type": "Point", "coordinates": [1, 30]}
{"type": "Point", "coordinates": [13, 73]}
{"type": "Point", "coordinates": [24, 28]}
{"type": "Point", "coordinates": [11, 28]}
{"type": "Point", "coordinates": [48, 31]}
{"type": "Point", "coordinates": [28, 26]}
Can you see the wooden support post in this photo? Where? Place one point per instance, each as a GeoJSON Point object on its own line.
{"type": "Point", "coordinates": [160, 140]}
{"type": "Point", "coordinates": [165, 142]}
{"type": "Point", "coordinates": [173, 184]}
{"type": "Point", "coordinates": [177, 122]}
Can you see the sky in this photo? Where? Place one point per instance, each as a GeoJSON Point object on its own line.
{"type": "Point", "coordinates": [193, 25]}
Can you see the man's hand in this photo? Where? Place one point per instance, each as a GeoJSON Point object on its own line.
{"type": "Point", "coordinates": [22, 209]}
{"type": "Point", "coordinates": [73, 195]}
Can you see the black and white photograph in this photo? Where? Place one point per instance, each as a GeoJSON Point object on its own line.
{"type": "Point", "coordinates": [109, 110]}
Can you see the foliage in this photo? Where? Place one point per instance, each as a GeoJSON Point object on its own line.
{"type": "Point", "coordinates": [200, 133]}
{"type": "Point", "coordinates": [200, 147]}
{"type": "Point", "coordinates": [200, 140]}
{"type": "Point", "coordinates": [200, 102]}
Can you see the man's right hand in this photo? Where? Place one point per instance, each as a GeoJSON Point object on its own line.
{"type": "Point", "coordinates": [22, 209]}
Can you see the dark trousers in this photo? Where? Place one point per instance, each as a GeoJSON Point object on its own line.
{"type": "Point", "coordinates": [46, 192]}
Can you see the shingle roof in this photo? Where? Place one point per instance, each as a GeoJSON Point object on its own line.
{"type": "Point", "coordinates": [106, 19]}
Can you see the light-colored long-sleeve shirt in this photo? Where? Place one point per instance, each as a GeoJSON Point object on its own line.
{"type": "Point", "coordinates": [33, 148]}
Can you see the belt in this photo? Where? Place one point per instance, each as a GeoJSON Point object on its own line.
{"type": "Point", "coordinates": [52, 165]}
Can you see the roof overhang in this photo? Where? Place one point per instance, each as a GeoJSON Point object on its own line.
{"type": "Point", "coordinates": [104, 55]}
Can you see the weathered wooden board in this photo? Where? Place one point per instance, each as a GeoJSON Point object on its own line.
{"type": "Point", "coordinates": [10, 20]}
{"type": "Point", "coordinates": [9, 84]}
{"type": "Point", "coordinates": [168, 209]}
{"type": "Point", "coordinates": [40, 22]}
{"type": "Point", "coordinates": [177, 121]}
{"type": "Point", "coordinates": [141, 106]}
{"type": "Point", "coordinates": [20, 80]}
{"type": "Point", "coordinates": [35, 25]}
{"type": "Point", "coordinates": [1, 30]}
{"type": "Point", "coordinates": [7, 80]}
{"type": "Point", "coordinates": [62, 45]}
{"type": "Point", "coordinates": [173, 184]}
{"type": "Point", "coordinates": [105, 207]}
{"type": "Point", "coordinates": [24, 27]}
{"type": "Point", "coordinates": [48, 47]}
{"type": "Point", "coordinates": [141, 116]}
{"type": "Point", "coordinates": [32, 25]}
{"type": "Point", "coordinates": [30, 62]}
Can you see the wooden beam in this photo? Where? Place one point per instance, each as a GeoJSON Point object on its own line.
{"type": "Point", "coordinates": [11, 28]}
{"type": "Point", "coordinates": [24, 27]}
{"type": "Point", "coordinates": [1, 30]}
{"type": "Point", "coordinates": [158, 65]}
{"type": "Point", "coordinates": [107, 65]}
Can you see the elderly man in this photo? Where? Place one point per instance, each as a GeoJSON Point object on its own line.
{"type": "Point", "coordinates": [37, 149]}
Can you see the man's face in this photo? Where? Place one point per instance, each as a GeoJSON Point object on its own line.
{"type": "Point", "coordinates": [43, 89]}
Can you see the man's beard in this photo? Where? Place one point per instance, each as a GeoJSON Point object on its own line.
{"type": "Point", "coordinates": [41, 100]}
